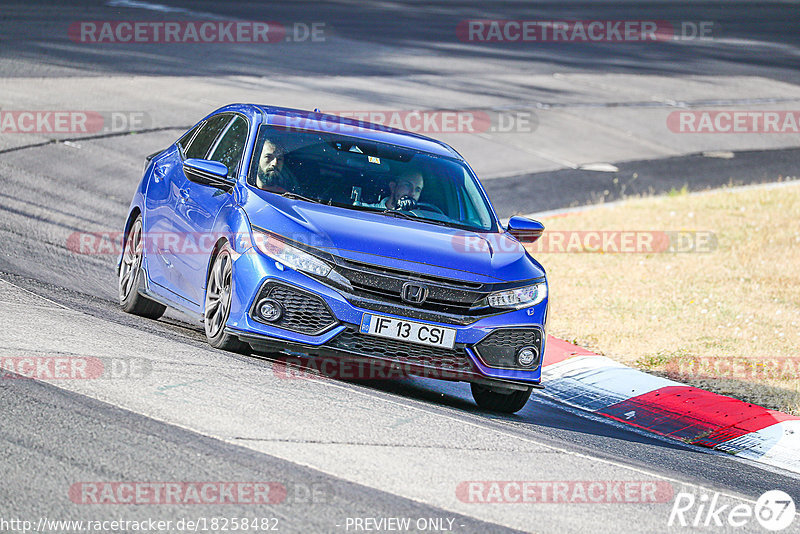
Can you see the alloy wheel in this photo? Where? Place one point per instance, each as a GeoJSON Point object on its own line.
{"type": "Point", "coordinates": [131, 261]}
{"type": "Point", "coordinates": [218, 294]}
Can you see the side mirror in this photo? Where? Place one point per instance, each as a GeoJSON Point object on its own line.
{"type": "Point", "coordinates": [525, 230]}
{"type": "Point", "coordinates": [207, 172]}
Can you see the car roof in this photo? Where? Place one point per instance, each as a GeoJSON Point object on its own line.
{"type": "Point", "coordinates": [317, 121]}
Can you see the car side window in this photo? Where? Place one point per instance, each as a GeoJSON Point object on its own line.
{"type": "Point", "coordinates": [230, 147]}
{"type": "Point", "coordinates": [206, 136]}
{"type": "Point", "coordinates": [184, 141]}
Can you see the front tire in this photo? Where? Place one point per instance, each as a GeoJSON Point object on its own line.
{"type": "Point", "coordinates": [219, 289]}
{"type": "Point", "coordinates": [500, 400]}
{"type": "Point", "coordinates": [130, 272]}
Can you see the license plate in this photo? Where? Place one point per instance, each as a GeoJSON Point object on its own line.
{"type": "Point", "coordinates": [413, 332]}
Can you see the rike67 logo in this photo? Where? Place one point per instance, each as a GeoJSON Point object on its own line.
{"type": "Point", "coordinates": [774, 511]}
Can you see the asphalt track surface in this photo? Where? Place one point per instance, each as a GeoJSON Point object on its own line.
{"type": "Point", "coordinates": [364, 444]}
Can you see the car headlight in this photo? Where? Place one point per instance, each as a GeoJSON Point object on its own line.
{"type": "Point", "coordinates": [519, 297]}
{"type": "Point", "coordinates": [288, 255]}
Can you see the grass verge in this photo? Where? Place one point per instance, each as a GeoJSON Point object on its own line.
{"type": "Point", "coordinates": [724, 318]}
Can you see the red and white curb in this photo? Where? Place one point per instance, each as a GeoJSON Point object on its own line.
{"type": "Point", "coordinates": [597, 384]}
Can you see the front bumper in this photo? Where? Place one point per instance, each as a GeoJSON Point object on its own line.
{"type": "Point", "coordinates": [330, 327]}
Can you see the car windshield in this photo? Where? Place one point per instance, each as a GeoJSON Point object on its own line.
{"type": "Point", "coordinates": [366, 175]}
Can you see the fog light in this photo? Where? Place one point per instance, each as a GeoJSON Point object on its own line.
{"type": "Point", "coordinates": [269, 310]}
{"type": "Point", "coordinates": [527, 356]}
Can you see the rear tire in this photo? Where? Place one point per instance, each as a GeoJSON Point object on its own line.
{"type": "Point", "coordinates": [130, 273]}
{"type": "Point", "coordinates": [497, 400]}
{"type": "Point", "coordinates": [219, 288]}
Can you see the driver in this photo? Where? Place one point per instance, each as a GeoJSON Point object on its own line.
{"type": "Point", "coordinates": [271, 172]}
{"type": "Point", "coordinates": [406, 187]}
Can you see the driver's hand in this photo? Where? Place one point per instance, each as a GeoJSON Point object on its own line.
{"type": "Point", "coordinates": [406, 203]}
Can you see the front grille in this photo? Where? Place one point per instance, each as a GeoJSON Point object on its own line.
{"type": "Point", "coordinates": [499, 349]}
{"type": "Point", "coordinates": [303, 312]}
{"type": "Point", "coordinates": [455, 359]}
{"type": "Point", "coordinates": [379, 270]}
{"type": "Point", "coordinates": [447, 296]}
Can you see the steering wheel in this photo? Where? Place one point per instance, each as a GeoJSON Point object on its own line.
{"type": "Point", "coordinates": [429, 207]}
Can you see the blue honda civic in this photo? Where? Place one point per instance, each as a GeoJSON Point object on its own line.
{"type": "Point", "coordinates": [304, 233]}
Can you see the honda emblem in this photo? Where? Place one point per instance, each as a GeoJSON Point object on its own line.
{"type": "Point", "coordinates": [414, 293]}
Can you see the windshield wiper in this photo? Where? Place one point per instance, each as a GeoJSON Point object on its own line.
{"type": "Point", "coordinates": [404, 215]}
{"type": "Point", "coordinates": [400, 214]}
{"type": "Point", "coordinates": [297, 196]}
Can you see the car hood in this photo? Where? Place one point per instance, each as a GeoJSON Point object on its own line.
{"type": "Point", "coordinates": [392, 242]}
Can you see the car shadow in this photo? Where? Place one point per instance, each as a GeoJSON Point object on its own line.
{"type": "Point", "coordinates": [541, 414]}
